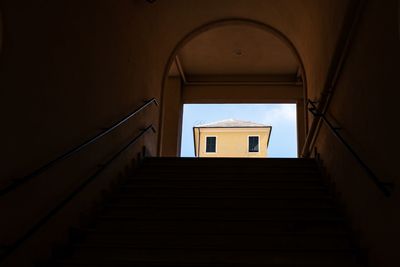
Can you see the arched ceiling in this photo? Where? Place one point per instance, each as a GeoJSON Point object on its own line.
{"type": "Point", "coordinates": [236, 53]}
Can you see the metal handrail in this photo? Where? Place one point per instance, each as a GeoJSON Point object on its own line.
{"type": "Point", "coordinates": [28, 234]}
{"type": "Point", "coordinates": [17, 182]}
{"type": "Point", "coordinates": [384, 187]}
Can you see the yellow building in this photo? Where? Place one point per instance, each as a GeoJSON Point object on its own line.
{"type": "Point", "coordinates": [231, 138]}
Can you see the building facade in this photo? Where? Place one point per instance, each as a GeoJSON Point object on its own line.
{"type": "Point", "coordinates": [231, 138]}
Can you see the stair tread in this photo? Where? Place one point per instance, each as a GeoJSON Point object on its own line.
{"type": "Point", "coordinates": [218, 212]}
{"type": "Point", "coordinates": [196, 255]}
{"type": "Point", "coordinates": [246, 242]}
{"type": "Point", "coordinates": [264, 234]}
{"type": "Point", "coordinates": [188, 264]}
{"type": "Point", "coordinates": [215, 206]}
{"type": "Point", "coordinates": [261, 197]}
{"type": "Point", "coordinates": [217, 248]}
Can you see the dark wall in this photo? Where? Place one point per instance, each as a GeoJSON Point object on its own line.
{"type": "Point", "coordinates": [365, 105]}
{"type": "Point", "coordinates": [70, 68]}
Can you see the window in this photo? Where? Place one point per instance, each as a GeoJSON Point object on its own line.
{"type": "Point", "coordinates": [253, 143]}
{"type": "Point", "coordinates": [211, 144]}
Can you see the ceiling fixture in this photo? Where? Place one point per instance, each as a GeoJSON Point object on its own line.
{"type": "Point", "coordinates": [238, 52]}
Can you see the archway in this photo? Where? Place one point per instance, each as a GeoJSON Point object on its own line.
{"type": "Point", "coordinates": [230, 61]}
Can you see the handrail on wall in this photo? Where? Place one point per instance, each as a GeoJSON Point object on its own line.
{"type": "Point", "coordinates": [8, 250]}
{"type": "Point", "coordinates": [18, 182]}
{"type": "Point", "coordinates": [385, 188]}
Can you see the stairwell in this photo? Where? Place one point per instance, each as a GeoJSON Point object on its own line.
{"type": "Point", "coordinates": [217, 212]}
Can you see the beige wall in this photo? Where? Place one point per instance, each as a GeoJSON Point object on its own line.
{"type": "Point", "coordinates": [170, 134]}
{"type": "Point", "coordinates": [242, 93]}
{"type": "Point", "coordinates": [231, 142]}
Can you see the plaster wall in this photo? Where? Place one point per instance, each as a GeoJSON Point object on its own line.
{"type": "Point", "coordinates": [172, 118]}
{"type": "Point", "coordinates": [71, 68]}
{"type": "Point", "coordinates": [242, 93]}
{"type": "Point", "coordinates": [365, 106]}
{"type": "Point", "coordinates": [68, 69]}
{"type": "Point", "coordinates": [104, 58]}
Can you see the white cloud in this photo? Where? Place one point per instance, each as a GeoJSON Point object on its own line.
{"type": "Point", "coordinates": [283, 113]}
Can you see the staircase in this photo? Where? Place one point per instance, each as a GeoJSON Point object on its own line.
{"type": "Point", "coordinates": [186, 212]}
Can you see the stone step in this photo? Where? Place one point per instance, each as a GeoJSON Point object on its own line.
{"type": "Point", "coordinates": [241, 173]}
{"type": "Point", "coordinates": [221, 178]}
{"type": "Point", "coordinates": [205, 255]}
{"type": "Point", "coordinates": [268, 162]}
{"type": "Point", "coordinates": [299, 186]}
{"type": "Point", "coordinates": [219, 214]}
{"type": "Point", "coordinates": [243, 226]}
{"type": "Point", "coordinates": [201, 182]}
{"type": "Point", "coordinates": [155, 263]}
{"type": "Point", "coordinates": [219, 241]}
{"type": "Point", "coordinates": [224, 193]}
{"type": "Point", "coordinates": [221, 202]}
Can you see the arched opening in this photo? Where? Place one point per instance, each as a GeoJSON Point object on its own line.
{"type": "Point", "coordinates": [230, 61]}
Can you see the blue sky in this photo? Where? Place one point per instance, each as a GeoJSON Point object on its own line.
{"type": "Point", "coordinates": [282, 118]}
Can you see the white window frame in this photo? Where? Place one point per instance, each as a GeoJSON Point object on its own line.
{"type": "Point", "coordinates": [205, 144]}
{"type": "Point", "coordinates": [248, 143]}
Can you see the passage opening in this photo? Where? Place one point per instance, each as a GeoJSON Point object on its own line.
{"type": "Point", "coordinates": [239, 130]}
